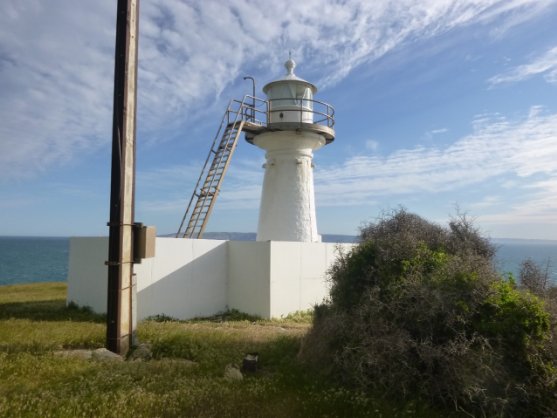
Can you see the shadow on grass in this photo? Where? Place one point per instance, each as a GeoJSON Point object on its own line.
{"type": "Point", "coordinates": [49, 310]}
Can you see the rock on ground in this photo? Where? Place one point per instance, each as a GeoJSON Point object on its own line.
{"type": "Point", "coordinates": [102, 354]}
{"type": "Point", "coordinates": [231, 372]}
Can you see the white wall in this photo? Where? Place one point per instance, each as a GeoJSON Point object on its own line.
{"type": "Point", "coordinates": [249, 271]}
{"type": "Point", "coordinates": [187, 278]}
{"type": "Point", "coordinates": [192, 278]}
{"type": "Point", "coordinates": [298, 274]}
{"type": "Point", "coordinates": [87, 273]}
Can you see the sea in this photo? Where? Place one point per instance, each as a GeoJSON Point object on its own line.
{"type": "Point", "coordinates": [33, 259]}
{"type": "Point", "coordinates": [45, 259]}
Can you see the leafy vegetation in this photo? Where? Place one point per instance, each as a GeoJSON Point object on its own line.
{"type": "Point", "coordinates": [184, 378]}
{"type": "Point", "coordinates": [417, 311]}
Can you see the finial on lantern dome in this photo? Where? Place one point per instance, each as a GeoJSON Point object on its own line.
{"type": "Point", "coordinates": [290, 64]}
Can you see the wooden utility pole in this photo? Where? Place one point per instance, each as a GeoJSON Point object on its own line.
{"type": "Point", "coordinates": [121, 308]}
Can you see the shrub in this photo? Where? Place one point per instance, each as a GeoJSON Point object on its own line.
{"type": "Point", "coordinates": [417, 310]}
{"type": "Point", "coordinates": [533, 277]}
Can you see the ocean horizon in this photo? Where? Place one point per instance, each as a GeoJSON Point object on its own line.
{"type": "Point", "coordinates": [25, 259]}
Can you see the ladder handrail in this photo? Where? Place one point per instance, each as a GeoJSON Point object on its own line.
{"type": "Point", "coordinates": [216, 165]}
{"type": "Point", "coordinates": [234, 126]}
{"type": "Point", "coordinates": [228, 140]}
{"type": "Point", "coordinates": [203, 170]}
{"type": "Point", "coordinates": [254, 110]}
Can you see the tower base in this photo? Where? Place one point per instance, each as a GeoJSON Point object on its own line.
{"type": "Point", "coordinates": [191, 278]}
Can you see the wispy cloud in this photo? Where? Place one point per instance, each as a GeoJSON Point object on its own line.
{"type": "Point", "coordinates": [56, 72]}
{"type": "Point", "coordinates": [437, 131]}
{"type": "Point", "coordinates": [536, 208]}
{"type": "Point", "coordinates": [544, 64]}
{"type": "Point", "coordinates": [56, 81]}
{"type": "Point", "coordinates": [372, 145]}
{"type": "Point", "coordinates": [503, 147]}
{"type": "Point", "coordinates": [430, 135]}
{"type": "Point", "coordinates": [486, 202]}
{"type": "Point", "coordinates": [169, 189]}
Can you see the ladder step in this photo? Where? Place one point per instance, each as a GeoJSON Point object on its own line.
{"type": "Point", "coordinates": [220, 154]}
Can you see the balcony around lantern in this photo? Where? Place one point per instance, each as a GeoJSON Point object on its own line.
{"type": "Point", "coordinates": [285, 114]}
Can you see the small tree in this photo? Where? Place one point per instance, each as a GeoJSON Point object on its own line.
{"type": "Point", "coordinates": [534, 277]}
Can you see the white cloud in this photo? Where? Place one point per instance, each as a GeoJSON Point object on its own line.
{"type": "Point", "coordinates": [501, 148]}
{"type": "Point", "coordinates": [55, 74]}
{"type": "Point", "coordinates": [56, 59]}
{"type": "Point", "coordinates": [544, 64]}
{"type": "Point", "coordinates": [372, 145]}
{"type": "Point", "coordinates": [515, 19]}
{"type": "Point", "coordinates": [438, 131]}
{"type": "Point", "coordinates": [537, 206]}
{"type": "Point", "coordinates": [486, 202]}
{"type": "Point", "coordinates": [429, 135]}
{"type": "Point", "coordinates": [170, 189]}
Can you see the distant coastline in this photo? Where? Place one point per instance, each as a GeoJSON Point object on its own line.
{"type": "Point", "coordinates": [524, 241]}
{"type": "Point", "coordinates": [251, 236]}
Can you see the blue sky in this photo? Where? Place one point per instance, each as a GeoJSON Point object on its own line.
{"type": "Point", "coordinates": [439, 104]}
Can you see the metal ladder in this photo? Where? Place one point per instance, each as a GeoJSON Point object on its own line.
{"type": "Point", "coordinates": [207, 190]}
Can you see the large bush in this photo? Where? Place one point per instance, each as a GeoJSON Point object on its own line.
{"type": "Point", "coordinates": [418, 311]}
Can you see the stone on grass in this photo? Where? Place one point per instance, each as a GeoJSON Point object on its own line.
{"type": "Point", "coordinates": [231, 372]}
{"type": "Point", "coordinates": [78, 353]}
{"type": "Point", "coordinates": [102, 354]}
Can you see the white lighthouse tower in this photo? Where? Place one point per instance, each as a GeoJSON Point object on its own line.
{"type": "Point", "coordinates": [297, 125]}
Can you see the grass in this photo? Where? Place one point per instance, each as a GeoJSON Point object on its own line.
{"type": "Point", "coordinates": [185, 378]}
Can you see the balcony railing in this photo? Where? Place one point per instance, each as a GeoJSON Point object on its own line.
{"type": "Point", "coordinates": [265, 113]}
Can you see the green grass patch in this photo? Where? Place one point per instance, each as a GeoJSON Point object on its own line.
{"type": "Point", "coordinates": [185, 378]}
{"type": "Point", "coordinates": [42, 302]}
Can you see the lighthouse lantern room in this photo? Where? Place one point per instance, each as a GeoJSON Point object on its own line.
{"type": "Point", "coordinates": [290, 97]}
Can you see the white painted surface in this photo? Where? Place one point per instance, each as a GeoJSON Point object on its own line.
{"type": "Point", "coordinates": [298, 274]}
{"type": "Point", "coordinates": [87, 273]}
{"type": "Point", "coordinates": [287, 210]}
{"type": "Point", "coordinates": [249, 272]}
{"type": "Point", "coordinates": [191, 278]}
{"type": "Point", "coordinates": [187, 278]}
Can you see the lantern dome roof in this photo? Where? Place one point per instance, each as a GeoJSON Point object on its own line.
{"type": "Point", "coordinates": [290, 78]}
